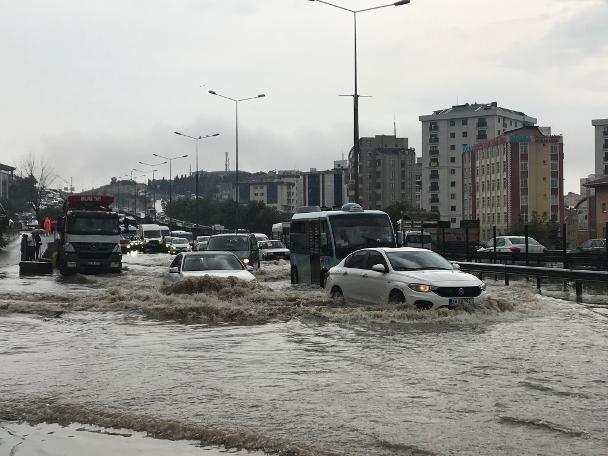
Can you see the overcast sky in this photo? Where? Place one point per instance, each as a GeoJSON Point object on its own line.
{"type": "Point", "coordinates": [97, 86]}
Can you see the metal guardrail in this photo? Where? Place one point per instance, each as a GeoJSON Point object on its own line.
{"type": "Point", "coordinates": [578, 276]}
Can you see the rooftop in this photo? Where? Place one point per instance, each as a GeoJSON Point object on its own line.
{"type": "Point", "coordinates": [601, 182]}
{"type": "Point", "coordinates": [10, 169]}
{"type": "Point", "coordinates": [599, 122]}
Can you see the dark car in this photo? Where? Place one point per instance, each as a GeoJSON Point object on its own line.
{"type": "Point", "coordinates": [595, 246]}
{"type": "Point", "coordinates": [244, 246]}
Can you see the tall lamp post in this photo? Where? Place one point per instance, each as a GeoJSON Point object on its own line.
{"type": "Point", "coordinates": [356, 94]}
{"type": "Point", "coordinates": [144, 174]}
{"type": "Point", "coordinates": [236, 105]}
{"type": "Point", "coordinates": [170, 160]}
{"type": "Point", "coordinates": [196, 140]}
{"type": "Point", "coordinates": [153, 183]}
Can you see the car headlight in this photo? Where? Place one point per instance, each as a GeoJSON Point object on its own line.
{"type": "Point", "coordinates": [482, 286]}
{"type": "Point", "coordinates": [67, 247]}
{"type": "Point", "coordinates": [420, 287]}
{"type": "Point", "coordinates": [116, 249]}
{"type": "Point", "coordinates": [246, 261]}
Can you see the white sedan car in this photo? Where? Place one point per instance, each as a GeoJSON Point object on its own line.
{"type": "Point", "coordinates": [513, 244]}
{"type": "Point", "coordinates": [215, 264]}
{"type": "Point", "coordinates": [406, 275]}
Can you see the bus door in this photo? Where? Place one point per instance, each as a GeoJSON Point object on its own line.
{"type": "Point", "coordinates": [313, 233]}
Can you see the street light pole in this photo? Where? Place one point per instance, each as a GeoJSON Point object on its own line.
{"type": "Point", "coordinates": [356, 96]}
{"type": "Point", "coordinates": [153, 182]}
{"type": "Point", "coordinates": [196, 140]}
{"type": "Point", "coordinates": [170, 160]}
{"type": "Point", "coordinates": [236, 105]}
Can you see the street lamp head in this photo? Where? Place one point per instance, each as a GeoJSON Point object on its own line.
{"type": "Point", "coordinates": [177, 133]}
{"type": "Point", "coordinates": [215, 134]}
{"type": "Point", "coordinates": [156, 155]}
{"type": "Point", "coordinates": [401, 2]}
{"type": "Point", "coordinates": [212, 92]}
{"type": "Point", "coordinates": [184, 156]}
{"type": "Point", "coordinates": [262, 95]}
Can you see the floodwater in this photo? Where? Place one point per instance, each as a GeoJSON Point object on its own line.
{"type": "Point", "coordinates": [276, 368]}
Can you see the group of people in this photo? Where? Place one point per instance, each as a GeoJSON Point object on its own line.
{"type": "Point", "coordinates": [30, 247]}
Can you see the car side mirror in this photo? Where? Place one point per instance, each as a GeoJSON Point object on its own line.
{"type": "Point", "coordinates": [249, 268]}
{"type": "Point", "coordinates": [456, 266]}
{"type": "Point", "coordinates": [174, 270]}
{"type": "Point", "coordinates": [379, 268]}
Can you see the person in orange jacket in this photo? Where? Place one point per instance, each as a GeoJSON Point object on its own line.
{"type": "Point", "coordinates": [47, 226]}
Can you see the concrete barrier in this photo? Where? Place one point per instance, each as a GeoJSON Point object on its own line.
{"type": "Point", "coordinates": [35, 268]}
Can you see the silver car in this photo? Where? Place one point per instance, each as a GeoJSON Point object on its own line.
{"type": "Point", "coordinates": [513, 244]}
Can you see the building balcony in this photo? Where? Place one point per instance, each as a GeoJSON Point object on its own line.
{"type": "Point", "coordinates": [434, 175]}
{"type": "Point", "coordinates": [433, 152]}
{"type": "Point", "coordinates": [482, 137]}
{"type": "Point", "coordinates": [433, 140]}
{"type": "Point", "coordinates": [605, 144]}
{"type": "Point", "coordinates": [434, 200]}
{"type": "Point", "coordinates": [605, 131]}
{"type": "Point", "coordinates": [433, 127]}
{"type": "Point", "coordinates": [482, 124]}
{"type": "Point", "coordinates": [606, 156]}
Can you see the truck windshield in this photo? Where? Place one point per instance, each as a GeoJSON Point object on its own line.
{"type": "Point", "coordinates": [80, 224]}
{"type": "Point", "coordinates": [354, 232]}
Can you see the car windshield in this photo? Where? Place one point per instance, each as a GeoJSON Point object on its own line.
{"type": "Point", "coordinates": [271, 245]}
{"type": "Point", "coordinates": [93, 225]}
{"type": "Point", "coordinates": [219, 262]}
{"type": "Point", "coordinates": [358, 231]}
{"type": "Point", "coordinates": [229, 243]}
{"type": "Point", "coordinates": [152, 234]}
{"type": "Point", "coordinates": [417, 261]}
{"type": "Point", "coordinates": [179, 241]}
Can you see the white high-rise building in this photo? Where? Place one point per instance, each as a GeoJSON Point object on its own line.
{"type": "Point", "coordinates": [601, 146]}
{"type": "Point", "coordinates": [445, 134]}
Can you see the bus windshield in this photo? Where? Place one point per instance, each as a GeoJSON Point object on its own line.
{"type": "Point", "coordinates": [353, 232]}
{"type": "Point", "coordinates": [83, 224]}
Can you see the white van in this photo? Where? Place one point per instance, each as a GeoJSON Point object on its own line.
{"type": "Point", "coordinates": [414, 239]}
{"type": "Point", "coordinates": [150, 237]}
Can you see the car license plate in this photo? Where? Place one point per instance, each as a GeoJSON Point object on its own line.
{"type": "Point", "coordinates": [461, 301]}
{"type": "Point", "coordinates": [93, 263]}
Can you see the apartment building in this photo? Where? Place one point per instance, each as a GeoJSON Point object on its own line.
{"type": "Point", "coordinates": [418, 181]}
{"type": "Point", "coordinates": [386, 172]}
{"type": "Point", "coordinates": [512, 177]}
{"type": "Point", "coordinates": [6, 176]}
{"type": "Point", "coordinates": [601, 146]}
{"type": "Point", "coordinates": [324, 188]}
{"type": "Point", "coordinates": [276, 189]}
{"type": "Point", "coordinates": [598, 206]}
{"type": "Point", "coordinates": [445, 134]}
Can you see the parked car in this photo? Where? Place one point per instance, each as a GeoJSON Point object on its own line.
{"type": "Point", "coordinates": [405, 275]}
{"type": "Point", "coordinates": [273, 250]}
{"type": "Point", "coordinates": [244, 246]}
{"type": "Point", "coordinates": [200, 243]}
{"type": "Point", "coordinates": [513, 244]}
{"type": "Point", "coordinates": [178, 245]}
{"type": "Point", "coordinates": [216, 264]}
{"type": "Point", "coordinates": [593, 246]}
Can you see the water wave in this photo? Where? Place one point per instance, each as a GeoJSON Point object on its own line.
{"type": "Point", "coordinates": [220, 434]}
{"type": "Point", "coordinates": [542, 424]}
{"type": "Point", "coordinates": [547, 389]}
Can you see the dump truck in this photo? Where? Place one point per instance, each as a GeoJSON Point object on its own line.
{"type": "Point", "coordinates": [89, 236]}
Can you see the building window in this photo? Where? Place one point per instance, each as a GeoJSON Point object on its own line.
{"type": "Point", "coordinates": [465, 121]}
{"type": "Point", "coordinates": [452, 123]}
{"type": "Point", "coordinates": [524, 182]}
{"type": "Point", "coordinates": [465, 134]}
{"type": "Point", "coordinates": [453, 196]}
{"type": "Point", "coordinates": [554, 166]}
{"type": "Point", "coordinates": [453, 147]}
{"type": "Point", "coordinates": [452, 135]}
{"type": "Point", "coordinates": [523, 166]}
{"type": "Point", "coordinates": [434, 208]}
{"type": "Point", "coordinates": [452, 172]}
{"type": "Point", "coordinates": [554, 183]}
{"type": "Point", "coordinates": [452, 159]}
{"type": "Point", "coordinates": [452, 220]}
{"type": "Point", "coordinates": [453, 184]}
{"type": "Point", "coordinates": [524, 200]}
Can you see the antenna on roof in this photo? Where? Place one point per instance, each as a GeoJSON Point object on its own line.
{"type": "Point", "coordinates": [394, 125]}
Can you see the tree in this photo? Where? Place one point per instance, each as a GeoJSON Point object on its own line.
{"type": "Point", "coordinates": [40, 170]}
{"type": "Point", "coordinates": [540, 228]}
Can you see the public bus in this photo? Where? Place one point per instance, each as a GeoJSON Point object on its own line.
{"type": "Point", "coordinates": [321, 239]}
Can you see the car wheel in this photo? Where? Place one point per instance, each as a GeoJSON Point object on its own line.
{"type": "Point", "coordinates": [337, 296]}
{"type": "Point", "coordinates": [396, 297]}
{"type": "Point", "coordinates": [294, 276]}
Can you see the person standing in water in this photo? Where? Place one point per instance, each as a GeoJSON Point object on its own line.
{"type": "Point", "coordinates": [24, 247]}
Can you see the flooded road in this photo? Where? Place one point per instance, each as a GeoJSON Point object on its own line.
{"type": "Point", "coordinates": [281, 370]}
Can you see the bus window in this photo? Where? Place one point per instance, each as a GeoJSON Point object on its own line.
{"type": "Point", "coordinates": [326, 247]}
{"type": "Point", "coordinates": [352, 232]}
{"type": "Point", "coordinates": [299, 243]}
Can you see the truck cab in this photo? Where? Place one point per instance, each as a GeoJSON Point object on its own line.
{"type": "Point", "coordinates": [89, 236]}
